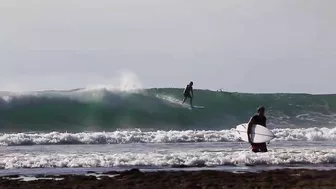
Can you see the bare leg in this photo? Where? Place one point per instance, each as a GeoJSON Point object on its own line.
{"type": "Point", "coordinates": [185, 98]}
{"type": "Point", "coordinates": [191, 99]}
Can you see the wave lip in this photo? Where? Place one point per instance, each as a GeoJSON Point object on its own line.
{"type": "Point", "coordinates": [160, 136]}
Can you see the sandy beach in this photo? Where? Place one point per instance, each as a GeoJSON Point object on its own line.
{"type": "Point", "coordinates": [286, 178]}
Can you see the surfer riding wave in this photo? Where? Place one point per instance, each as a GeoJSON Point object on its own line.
{"type": "Point", "coordinates": [188, 93]}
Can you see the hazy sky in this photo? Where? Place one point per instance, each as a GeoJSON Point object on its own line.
{"type": "Point", "coordinates": [236, 45]}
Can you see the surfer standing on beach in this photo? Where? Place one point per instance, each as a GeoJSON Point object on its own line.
{"type": "Point", "coordinates": [188, 93]}
{"type": "Point", "coordinates": [258, 119]}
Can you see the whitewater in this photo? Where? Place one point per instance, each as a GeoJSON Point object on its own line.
{"type": "Point", "coordinates": [172, 136]}
{"type": "Point", "coordinates": [104, 128]}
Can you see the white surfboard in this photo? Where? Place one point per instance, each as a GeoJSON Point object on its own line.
{"type": "Point", "coordinates": [198, 107]}
{"type": "Point", "coordinates": [259, 133]}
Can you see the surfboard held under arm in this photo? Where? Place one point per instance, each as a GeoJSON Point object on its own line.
{"type": "Point", "coordinates": [259, 133]}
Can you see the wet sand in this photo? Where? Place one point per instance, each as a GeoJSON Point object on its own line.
{"type": "Point", "coordinates": [286, 178]}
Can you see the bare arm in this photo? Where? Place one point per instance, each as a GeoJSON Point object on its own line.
{"type": "Point", "coordinates": [249, 126]}
{"type": "Point", "coordinates": [192, 92]}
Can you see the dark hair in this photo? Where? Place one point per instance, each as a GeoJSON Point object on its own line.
{"type": "Point", "coordinates": [261, 108]}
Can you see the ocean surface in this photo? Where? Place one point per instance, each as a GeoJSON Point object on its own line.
{"type": "Point", "coordinates": [100, 129]}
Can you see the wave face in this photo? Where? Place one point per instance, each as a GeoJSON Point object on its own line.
{"type": "Point", "coordinates": [158, 109]}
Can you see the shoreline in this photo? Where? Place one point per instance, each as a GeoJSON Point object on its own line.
{"type": "Point", "coordinates": [134, 178]}
{"type": "Point", "coordinates": [32, 172]}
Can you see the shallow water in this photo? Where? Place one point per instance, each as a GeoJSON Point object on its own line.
{"type": "Point", "coordinates": [229, 156]}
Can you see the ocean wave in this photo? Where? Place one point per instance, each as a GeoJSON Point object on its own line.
{"type": "Point", "coordinates": [175, 159]}
{"type": "Point", "coordinates": [160, 108]}
{"type": "Point", "coordinates": [173, 136]}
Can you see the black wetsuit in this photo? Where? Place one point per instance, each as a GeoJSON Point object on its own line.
{"type": "Point", "coordinates": [259, 147]}
{"type": "Point", "coordinates": [259, 120]}
{"type": "Point", "coordinates": [187, 91]}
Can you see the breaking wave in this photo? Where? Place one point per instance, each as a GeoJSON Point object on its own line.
{"type": "Point", "coordinates": [158, 109]}
{"type": "Point", "coordinates": [138, 136]}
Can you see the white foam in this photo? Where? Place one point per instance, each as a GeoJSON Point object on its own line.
{"type": "Point", "coordinates": [28, 178]}
{"type": "Point", "coordinates": [126, 81]}
{"type": "Point", "coordinates": [156, 159]}
{"type": "Point", "coordinates": [99, 176]}
{"type": "Point", "coordinates": [138, 136]}
{"type": "Point", "coordinates": [308, 134]}
{"type": "Point", "coordinates": [7, 98]}
{"type": "Point", "coordinates": [117, 137]}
